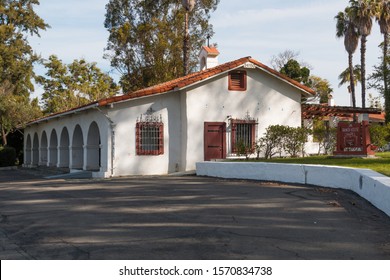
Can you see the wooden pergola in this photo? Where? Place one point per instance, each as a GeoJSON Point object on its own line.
{"type": "Point", "coordinates": [311, 111]}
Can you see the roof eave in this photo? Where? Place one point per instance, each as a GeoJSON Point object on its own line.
{"type": "Point", "coordinates": [59, 115]}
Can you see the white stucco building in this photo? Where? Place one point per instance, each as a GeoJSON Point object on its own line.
{"type": "Point", "coordinates": [171, 126]}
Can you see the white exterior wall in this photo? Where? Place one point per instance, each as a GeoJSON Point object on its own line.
{"type": "Point", "coordinates": [125, 115]}
{"type": "Point", "coordinates": [82, 119]}
{"type": "Point", "coordinates": [267, 99]}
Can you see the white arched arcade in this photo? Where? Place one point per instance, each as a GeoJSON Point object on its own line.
{"type": "Point", "coordinates": [68, 145]}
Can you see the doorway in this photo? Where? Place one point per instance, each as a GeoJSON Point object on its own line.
{"type": "Point", "coordinates": [214, 140]}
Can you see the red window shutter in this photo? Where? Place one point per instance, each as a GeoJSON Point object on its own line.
{"type": "Point", "coordinates": [161, 139]}
{"type": "Point", "coordinates": [237, 80]}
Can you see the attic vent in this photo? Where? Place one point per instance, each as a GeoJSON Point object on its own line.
{"type": "Point", "coordinates": [237, 80]}
{"type": "Point", "coordinates": [249, 65]}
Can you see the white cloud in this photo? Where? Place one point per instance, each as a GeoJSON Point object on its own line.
{"type": "Point", "coordinates": [252, 17]}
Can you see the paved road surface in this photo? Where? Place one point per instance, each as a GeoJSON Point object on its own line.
{"type": "Point", "coordinates": [184, 218]}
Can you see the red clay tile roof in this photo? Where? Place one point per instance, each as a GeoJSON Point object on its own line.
{"type": "Point", "coordinates": [211, 50]}
{"type": "Point", "coordinates": [380, 118]}
{"type": "Point", "coordinates": [202, 75]}
{"type": "Point", "coordinates": [188, 80]}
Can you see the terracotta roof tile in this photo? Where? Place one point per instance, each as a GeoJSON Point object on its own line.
{"type": "Point", "coordinates": [211, 50]}
{"type": "Point", "coordinates": [193, 78]}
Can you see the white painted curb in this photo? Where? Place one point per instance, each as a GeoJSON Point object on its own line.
{"type": "Point", "coordinates": [369, 184]}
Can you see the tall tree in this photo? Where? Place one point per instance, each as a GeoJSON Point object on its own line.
{"type": "Point", "coordinates": [17, 20]}
{"type": "Point", "coordinates": [345, 78]}
{"type": "Point", "coordinates": [346, 28]}
{"type": "Point", "coordinates": [294, 70]}
{"type": "Point", "coordinates": [146, 39]}
{"type": "Point", "coordinates": [72, 85]}
{"type": "Point", "coordinates": [321, 87]}
{"type": "Point", "coordinates": [15, 110]}
{"type": "Point", "coordinates": [383, 18]}
{"type": "Point", "coordinates": [279, 60]}
{"type": "Point", "coordinates": [361, 13]}
{"type": "Point", "coordinates": [381, 77]}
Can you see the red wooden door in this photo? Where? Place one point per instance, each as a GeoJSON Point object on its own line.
{"type": "Point", "coordinates": [214, 140]}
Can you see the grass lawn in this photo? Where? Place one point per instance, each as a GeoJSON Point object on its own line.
{"type": "Point", "coordinates": [380, 164]}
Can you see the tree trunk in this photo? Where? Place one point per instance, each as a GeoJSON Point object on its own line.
{"type": "Point", "coordinates": [363, 69]}
{"type": "Point", "coordinates": [4, 136]}
{"type": "Point", "coordinates": [385, 77]}
{"type": "Point", "coordinates": [185, 46]}
{"type": "Point", "coordinates": [352, 79]}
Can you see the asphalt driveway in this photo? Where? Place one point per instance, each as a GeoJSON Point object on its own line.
{"type": "Point", "coordinates": [184, 218]}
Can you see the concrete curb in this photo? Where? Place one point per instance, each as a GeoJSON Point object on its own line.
{"type": "Point", "coordinates": [8, 168]}
{"type": "Point", "coordinates": [369, 184]}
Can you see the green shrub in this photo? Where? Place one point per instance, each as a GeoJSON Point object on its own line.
{"type": "Point", "coordinates": [7, 156]}
{"type": "Point", "coordinates": [279, 139]}
{"type": "Point", "coordinates": [379, 135]}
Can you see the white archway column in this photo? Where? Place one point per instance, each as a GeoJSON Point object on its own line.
{"type": "Point", "coordinates": [92, 157]}
{"type": "Point", "coordinates": [70, 148]}
{"type": "Point", "coordinates": [51, 152]}
{"type": "Point", "coordinates": [28, 156]}
{"type": "Point", "coordinates": [85, 157]}
{"type": "Point", "coordinates": [43, 152]}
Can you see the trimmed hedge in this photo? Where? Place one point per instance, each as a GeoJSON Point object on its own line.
{"type": "Point", "coordinates": [7, 156]}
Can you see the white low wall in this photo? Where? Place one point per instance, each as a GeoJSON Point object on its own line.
{"type": "Point", "coordinates": [368, 184]}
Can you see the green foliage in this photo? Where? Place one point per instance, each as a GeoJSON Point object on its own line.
{"type": "Point", "coordinates": [15, 111]}
{"type": "Point", "coordinates": [321, 87]}
{"type": "Point", "coordinates": [243, 149]}
{"type": "Point", "coordinates": [380, 79]}
{"type": "Point", "coordinates": [295, 139]}
{"type": "Point", "coordinates": [17, 19]}
{"type": "Point", "coordinates": [282, 139]}
{"type": "Point", "coordinates": [380, 135]}
{"type": "Point", "coordinates": [294, 70]}
{"type": "Point", "coordinates": [325, 136]}
{"type": "Point", "coordinates": [344, 76]}
{"type": "Point", "coordinates": [380, 164]}
{"type": "Point", "coordinates": [347, 29]}
{"type": "Point", "coordinates": [7, 156]}
{"type": "Point", "coordinates": [69, 86]}
{"type": "Point", "coordinates": [273, 140]}
{"type": "Point", "coordinates": [146, 39]}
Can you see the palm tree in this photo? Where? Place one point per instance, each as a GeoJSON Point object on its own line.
{"type": "Point", "coordinates": [347, 29]}
{"type": "Point", "coordinates": [382, 16]}
{"type": "Point", "coordinates": [361, 13]}
{"type": "Point", "coordinates": [344, 76]}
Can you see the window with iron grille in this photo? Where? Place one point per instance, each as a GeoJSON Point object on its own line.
{"type": "Point", "coordinates": [237, 80]}
{"type": "Point", "coordinates": [243, 135]}
{"type": "Point", "coordinates": [150, 137]}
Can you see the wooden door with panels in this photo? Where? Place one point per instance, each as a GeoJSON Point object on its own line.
{"type": "Point", "coordinates": [214, 140]}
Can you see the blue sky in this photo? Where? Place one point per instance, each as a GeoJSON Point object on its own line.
{"type": "Point", "coordinates": [257, 28]}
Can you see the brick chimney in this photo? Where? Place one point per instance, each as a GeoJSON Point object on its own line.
{"type": "Point", "coordinates": [208, 57]}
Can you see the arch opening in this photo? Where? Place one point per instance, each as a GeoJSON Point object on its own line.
{"type": "Point", "coordinates": [93, 148]}
{"type": "Point", "coordinates": [77, 148]}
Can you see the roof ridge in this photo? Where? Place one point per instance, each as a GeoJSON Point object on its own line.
{"type": "Point", "coordinates": [188, 80]}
